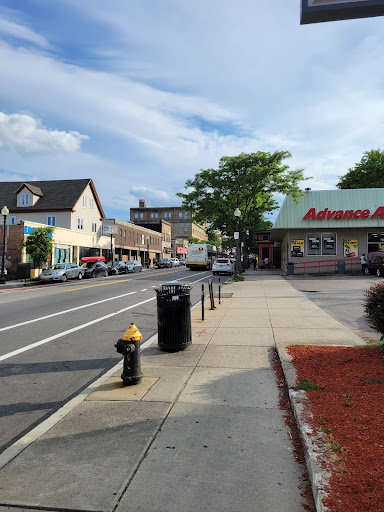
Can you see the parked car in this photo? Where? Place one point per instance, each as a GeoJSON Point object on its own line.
{"type": "Point", "coordinates": [175, 262]}
{"type": "Point", "coordinates": [62, 272]}
{"type": "Point", "coordinates": [223, 266]}
{"type": "Point", "coordinates": [164, 263]}
{"type": "Point", "coordinates": [134, 266]}
{"type": "Point", "coordinates": [182, 262]}
{"type": "Point", "coordinates": [375, 263]}
{"type": "Point", "coordinates": [95, 269]}
{"type": "Point", "coordinates": [117, 267]}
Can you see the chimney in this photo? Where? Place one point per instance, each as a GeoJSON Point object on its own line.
{"type": "Point", "coordinates": [141, 203]}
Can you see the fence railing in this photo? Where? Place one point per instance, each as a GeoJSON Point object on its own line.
{"type": "Point", "coordinates": [312, 267]}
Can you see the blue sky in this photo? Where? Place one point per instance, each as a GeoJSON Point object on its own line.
{"type": "Point", "coordinates": [139, 96]}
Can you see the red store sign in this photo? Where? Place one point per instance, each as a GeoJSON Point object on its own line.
{"type": "Point", "coordinates": [343, 214]}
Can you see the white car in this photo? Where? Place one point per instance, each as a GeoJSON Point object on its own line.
{"type": "Point", "coordinates": [223, 266]}
{"type": "Point", "coordinates": [175, 262]}
{"type": "Point", "coordinates": [134, 266]}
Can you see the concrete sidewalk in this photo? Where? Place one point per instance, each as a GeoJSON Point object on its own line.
{"type": "Point", "coordinates": [202, 431]}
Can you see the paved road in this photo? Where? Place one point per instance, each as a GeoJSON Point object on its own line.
{"type": "Point", "coordinates": [342, 296]}
{"type": "Point", "coordinates": [58, 338]}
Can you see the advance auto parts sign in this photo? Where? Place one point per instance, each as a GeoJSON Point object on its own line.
{"type": "Point", "coordinates": [327, 214]}
{"type": "Point", "coordinates": [315, 11]}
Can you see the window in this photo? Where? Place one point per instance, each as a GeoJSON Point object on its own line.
{"type": "Point", "coordinates": [165, 215]}
{"type": "Point", "coordinates": [156, 215]}
{"type": "Point", "coordinates": [185, 230]}
{"type": "Point", "coordinates": [80, 223]}
{"type": "Point", "coordinates": [136, 215]}
{"type": "Point", "coordinates": [141, 215]}
{"type": "Point", "coordinates": [376, 241]}
{"type": "Point", "coordinates": [180, 230]}
{"type": "Point", "coordinates": [84, 201]}
{"type": "Point", "coordinates": [152, 215]}
{"type": "Point", "coordinates": [129, 234]}
{"type": "Point", "coordinates": [94, 227]}
{"type": "Point", "coordinates": [25, 199]}
{"type": "Point", "coordinates": [121, 234]}
{"type": "Point", "coordinates": [91, 203]}
{"type": "Point", "coordinates": [321, 244]}
{"type": "Point", "coordinates": [185, 215]}
{"type": "Point", "coordinates": [265, 237]}
{"type": "Point", "coordinates": [125, 234]}
{"type": "Point", "coordinates": [169, 215]}
{"type": "Point", "coordinates": [51, 220]}
{"type": "Point", "coordinates": [180, 215]}
{"type": "Point", "coordinates": [12, 220]}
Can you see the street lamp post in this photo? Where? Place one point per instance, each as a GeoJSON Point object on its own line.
{"type": "Point", "coordinates": [237, 214]}
{"type": "Point", "coordinates": [4, 213]}
{"type": "Point", "coordinates": [147, 251]}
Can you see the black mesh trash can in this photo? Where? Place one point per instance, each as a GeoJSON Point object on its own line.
{"type": "Point", "coordinates": [341, 267]}
{"type": "Point", "coordinates": [174, 316]}
{"type": "Point", "coordinates": [290, 268]}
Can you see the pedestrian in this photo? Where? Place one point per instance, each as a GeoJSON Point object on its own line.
{"type": "Point", "coordinates": [363, 260]}
{"type": "Point", "coordinates": [266, 263]}
{"type": "Point", "coordinates": [254, 261]}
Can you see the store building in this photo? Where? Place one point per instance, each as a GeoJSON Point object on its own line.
{"type": "Point", "coordinates": [329, 226]}
{"type": "Point", "coordinates": [182, 224]}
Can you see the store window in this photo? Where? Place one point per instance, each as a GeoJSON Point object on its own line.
{"type": "Point", "coordinates": [376, 241]}
{"type": "Point", "coordinates": [321, 244]}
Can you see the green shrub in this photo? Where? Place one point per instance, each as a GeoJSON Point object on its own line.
{"type": "Point", "coordinates": [374, 309]}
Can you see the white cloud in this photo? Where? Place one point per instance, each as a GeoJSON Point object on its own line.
{"type": "Point", "coordinates": [25, 134]}
{"type": "Point", "coordinates": [21, 32]}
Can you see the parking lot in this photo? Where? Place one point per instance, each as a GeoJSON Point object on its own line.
{"type": "Point", "coordinates": [342, 296]}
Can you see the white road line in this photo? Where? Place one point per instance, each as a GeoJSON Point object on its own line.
{"type": "Point", "coordinates": [65, 311]}
{"type": "Point", "coordinates": [144, 290]}
{"type": "Point", "coordinates": [209, 275]}
{"type": "Point", "coordinates": [69, 331]}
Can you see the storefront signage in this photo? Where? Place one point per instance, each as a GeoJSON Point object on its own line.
{"type": "Point", "coordinates": [315, 11]}
{"type": "Point", "coordinates": [343, 214]}
{"type": "Point", "coordinates": [351, 248]}
{"type": "Point", "coordinates": [297, 248]}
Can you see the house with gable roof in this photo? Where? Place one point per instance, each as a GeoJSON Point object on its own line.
{"type": "Point", "coordinates": [72, 206]}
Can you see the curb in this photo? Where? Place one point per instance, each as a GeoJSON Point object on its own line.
{"type": "Point", "coordinates": [312, 442]}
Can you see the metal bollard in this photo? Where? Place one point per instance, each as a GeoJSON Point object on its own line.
{"type": "Point", "coordinates": [129, 346]}
{"type": "Point", "coordinates": [219, 290]}
{"type": "Point", "coordinates": [202, 302]}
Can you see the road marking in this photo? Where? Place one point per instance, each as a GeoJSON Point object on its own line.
{"type": "Point", "coordinates": [116, 282]}
{"type": "Point", "coordinates": [69, 331]}
{"type": "Point", "coordinates": [144, 290]}
{"type": "Point", "coordinates": [65, 311]}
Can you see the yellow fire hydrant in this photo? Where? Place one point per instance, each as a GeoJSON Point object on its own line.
{"type": "Point", "coordinates": [129, 346]}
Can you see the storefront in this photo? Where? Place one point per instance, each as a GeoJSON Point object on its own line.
{"type": "Point", "coordinates": [329, 226]}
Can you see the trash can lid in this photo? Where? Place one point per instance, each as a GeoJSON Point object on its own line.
{"type": "Point", "coordinates": [175, 285]}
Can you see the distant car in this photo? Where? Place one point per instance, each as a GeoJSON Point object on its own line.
{"type": "Point", "coordinates": [175, 262]}
{"type": "Point", "coordinates": [164, 263]}
{"type": "Point", "coordinates": [134, 266]}
{"type": "Point", "coordinates": [182, 262]}
{"type": "Point", "coordinates": [95, 269]}
{"type": "Point", "coordinates": [375, 264]}
{"type": "Point", "coordinates": [223, 266]}
{"type": "Point", "coordinates": [62, 272]}
{"type": "Point", "coordinates": [117, 267]}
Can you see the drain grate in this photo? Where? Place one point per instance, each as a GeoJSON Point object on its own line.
{"type": "Point", "coordinates": [310, 291]}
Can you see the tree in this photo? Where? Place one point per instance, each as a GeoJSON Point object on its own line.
{"type": "Point", "coordinates": [247, 182]}
{"type": "Point", "coordinates": [368, 173]}
{"type": "Point", "coordinates": [39, 245]}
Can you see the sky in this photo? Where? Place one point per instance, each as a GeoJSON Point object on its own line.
{"type": "Point", "coordinates": [142, 95]}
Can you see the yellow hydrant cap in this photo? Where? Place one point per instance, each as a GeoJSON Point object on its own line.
{"type": "Point", "coordinates": [132, 333]}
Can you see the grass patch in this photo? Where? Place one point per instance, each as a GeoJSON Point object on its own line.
{"type": "Point", "coordinates": [306, 385]}
{"type": "Point", "coordinates": [370, 380]}
{"type": "Point", "coordinates": [335, 446]}
{"type": "Point", "coordinates": [240, 277]}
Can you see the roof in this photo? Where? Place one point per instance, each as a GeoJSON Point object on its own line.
{"type": "Point", "coordinates": [54, 195]}
{"type": "Point", "coordinates": [332, 209]}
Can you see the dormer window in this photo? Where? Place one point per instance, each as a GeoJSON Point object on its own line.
{"type": "Point", "coordinates": [28, 195]}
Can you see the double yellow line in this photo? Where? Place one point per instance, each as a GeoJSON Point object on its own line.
{"type": "Point", "coordinates": [113, 282]}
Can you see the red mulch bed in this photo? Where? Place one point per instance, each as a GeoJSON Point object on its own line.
{"type": "Point", "coordinates": [349, 411]}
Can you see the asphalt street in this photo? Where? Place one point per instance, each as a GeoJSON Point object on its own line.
{"type": "Point", "coordinates": [56, 339]}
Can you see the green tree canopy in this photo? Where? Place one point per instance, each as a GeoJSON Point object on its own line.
{"type": "Point", "coordinates": [248, 182]}
{"type": "Point", "coordinates": [368, 173]}
{"type": "Point", "coordinates": [39, 245]}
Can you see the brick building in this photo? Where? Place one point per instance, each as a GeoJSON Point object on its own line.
{"type": "Point", "coordinates": [182, 224]}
